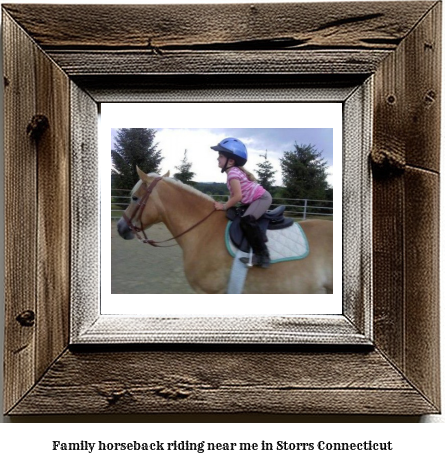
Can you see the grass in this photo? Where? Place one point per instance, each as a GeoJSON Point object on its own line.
{"type": "Point", "coordinates": [116, 214]}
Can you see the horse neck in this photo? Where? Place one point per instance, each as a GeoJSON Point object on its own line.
{"type": "Point", "coordinates": [181, 209]}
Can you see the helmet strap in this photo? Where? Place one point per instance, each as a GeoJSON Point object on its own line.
{"type": "Point", "coordinates": [225, 165]}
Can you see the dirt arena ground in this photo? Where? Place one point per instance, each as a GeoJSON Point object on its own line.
{"type": "Point", "coordinates": [138, 268]}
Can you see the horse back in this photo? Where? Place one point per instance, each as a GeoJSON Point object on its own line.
{"type": "Point", "coordinates": [319, 233]}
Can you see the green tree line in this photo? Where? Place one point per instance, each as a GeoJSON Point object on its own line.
{"type": "Point", "coordinates": [304, 170]}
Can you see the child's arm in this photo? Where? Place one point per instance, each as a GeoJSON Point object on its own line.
{"type": "Point", "coordinates": [236, 197]}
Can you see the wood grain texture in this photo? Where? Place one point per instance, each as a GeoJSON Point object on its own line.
{"type": "Point", "coordinates": [357, 208]}
{"type": "Point", "coordinates": [119, 63]}
{"type": "Point", "coordinates": [109, 329]}
{"type": "Point", "coordinates": [388, 268]}
{"type": "Point", "coordinates": [53, 224]}
{"type": "Point", "coordinates": [397, 42]}
{"type": "Point", "coordinates": [85, 210]}
{"type": "Point", "coordinates": [20, 214]}
{"type": "Point", "coordinates": [37, 184]}
{"type": "Point", "coordinates": [423, 92]}
{"type": "Point", "coordinates": [165, 39]}
{"type": "Point", "coordinates": [407, 136]}
{"type": "Point", "coordinates": [389, 144]}
{"type": "Point", "coordinates": [347, 25]}
{"type": "Point", "coordinates": [218, 87]}
{"type": "Point", "coordinates": [421, 277]}
{"type": "Point", "coordinates": [407, 113]}
{"type": "Point", "coordinates": [219, 381]}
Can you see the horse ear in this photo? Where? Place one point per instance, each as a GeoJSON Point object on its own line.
{"type": "Point", "coordinates": [142, 175]}
{"type": "Point", "coordinates": [167, 174]}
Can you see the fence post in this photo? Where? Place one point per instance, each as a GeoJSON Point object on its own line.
{"type": "Point", "coordinates": [121, 201]}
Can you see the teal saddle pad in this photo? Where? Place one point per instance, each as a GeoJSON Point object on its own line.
{"type": "Point", "coordinates": [283, 244]}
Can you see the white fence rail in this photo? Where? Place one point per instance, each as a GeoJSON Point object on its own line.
{"type": "Point", "coordinates": [298, 208]}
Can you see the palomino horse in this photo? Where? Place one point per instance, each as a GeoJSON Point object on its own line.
{"type": "Point", "coordinates": [190, 217]}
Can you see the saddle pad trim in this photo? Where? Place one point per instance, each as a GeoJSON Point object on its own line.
{"type": "Point", "coordinates": [230, 246]}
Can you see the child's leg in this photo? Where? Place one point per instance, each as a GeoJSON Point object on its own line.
{"type": "Point", "coordinates": [253, 232]}
{"type": "Point", "coordinates": [259, 206]}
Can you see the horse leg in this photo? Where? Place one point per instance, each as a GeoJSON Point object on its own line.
{"type": "Point", "coordinates": [207, 274]}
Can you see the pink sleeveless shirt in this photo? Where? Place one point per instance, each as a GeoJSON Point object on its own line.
{"type": "Point", "coordinates": [250, 190]}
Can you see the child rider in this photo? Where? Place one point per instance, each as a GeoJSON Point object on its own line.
{"type": "Point", "coordinates": [232, 156]}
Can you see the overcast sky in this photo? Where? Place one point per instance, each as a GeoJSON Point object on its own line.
{"type": "Point", "coordinates": [173, 143]}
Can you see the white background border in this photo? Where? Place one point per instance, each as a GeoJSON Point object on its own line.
{"type": "Point", "coordinates": [218, 115]}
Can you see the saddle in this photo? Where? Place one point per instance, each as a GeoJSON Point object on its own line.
{"type": "Point", "coordinates": [272, 220]}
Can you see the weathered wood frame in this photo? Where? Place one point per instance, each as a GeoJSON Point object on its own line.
{"type": "Point", "coordinates": [70, 59]}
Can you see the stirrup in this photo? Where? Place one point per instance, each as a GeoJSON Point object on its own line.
{"type": "Point", "coordinates": [261, 261]}
{"type": "Point", "coordinates": [248, 261]}
{"type": "Point", "coordinates": [257, 261]}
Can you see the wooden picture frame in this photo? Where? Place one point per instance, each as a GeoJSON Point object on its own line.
{"type": "Point", "coordinates": [57, 70]}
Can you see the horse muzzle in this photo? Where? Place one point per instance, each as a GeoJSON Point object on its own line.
{"type": "Point", "coordinates": [124, 230]}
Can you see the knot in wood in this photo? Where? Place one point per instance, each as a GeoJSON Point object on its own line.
{"type": "Point", "coordinates": [26, 318]}
{"type": "Point", "coordinates": [37, 126]}
{"type": "Point", "coordinates": [387, 162]}
{"type": "Point", "coordinates": [114, 397]}
{"type": "Point", "coordinates": [430, 97]}
{"type": "Point", "coordinates": [173, 393]}
{"type": "Point", "coordinates": [112, 394]}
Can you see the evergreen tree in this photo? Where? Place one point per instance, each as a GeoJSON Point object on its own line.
{"type": "Point", "coordinates": [184, 175]}
{"type": "Point", "coordinates": [304, 173]}
{"type": "Point", "coordinates": [133, 147]}
{"type": "Point", "coordinates": [266, 173]}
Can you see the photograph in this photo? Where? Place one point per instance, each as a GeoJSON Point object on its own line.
{"type": "Point", "coordinates": [276, 229]}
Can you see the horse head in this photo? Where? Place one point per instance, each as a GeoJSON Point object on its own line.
{"type": "Point", "coordinates": [140, 213]}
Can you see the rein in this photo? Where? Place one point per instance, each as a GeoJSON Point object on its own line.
{"type": "Point", "coordinates": [137, 214]}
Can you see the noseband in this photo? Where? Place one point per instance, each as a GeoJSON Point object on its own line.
{"type": "Point", "coordinates": [137, 214]}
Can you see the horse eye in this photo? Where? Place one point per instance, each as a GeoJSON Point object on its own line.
{"type": "Point", "coordinates": [134, 198]}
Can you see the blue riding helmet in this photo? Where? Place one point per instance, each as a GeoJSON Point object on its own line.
{"type": "Point", "coordinates": [234, 149]}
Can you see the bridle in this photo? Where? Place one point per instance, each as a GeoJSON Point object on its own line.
{"type": "Point", "coordinates": [137, 214]}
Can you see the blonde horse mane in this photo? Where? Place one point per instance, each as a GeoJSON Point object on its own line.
{"type": "Point", "coordinates": [178, 183]}
{"type": "Point", "coordinates": [188, 188]}
{"type": "Point", "coordinates": [135, 187]}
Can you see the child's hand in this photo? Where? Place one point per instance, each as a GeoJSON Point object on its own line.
{"type": "Point", "coordinates": [219, 206]}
